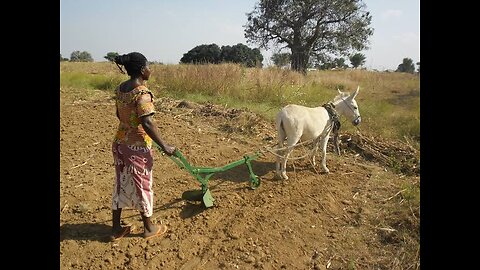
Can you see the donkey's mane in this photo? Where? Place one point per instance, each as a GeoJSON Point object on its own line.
{"type": "Point", "coordinates": [342, 95]}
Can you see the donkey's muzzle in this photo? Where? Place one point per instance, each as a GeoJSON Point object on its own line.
{"type": "Point", "coordinates": [357, 121]}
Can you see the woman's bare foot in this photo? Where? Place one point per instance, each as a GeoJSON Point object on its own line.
{"type": "Point", "coordinates": [155, 230]}
{"type": "Point", "coordinates": [119, 233]}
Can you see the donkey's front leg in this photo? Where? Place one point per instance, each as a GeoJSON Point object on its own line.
{"type": "Point", "coordinates": [336, 143]}
{"type": "Point", "coordinates": [314, 152]}
{"type": "Point", "coordinates": [324, 155]}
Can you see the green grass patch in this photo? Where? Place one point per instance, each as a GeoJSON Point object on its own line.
{"type": "Point", "coordinates": [411, 193]}
{"type": "Point", "coordinates": [81, 80]}
{"type": "Point", "coordinates": [75, 80]}
{"type": "Point", "coordinates": [102, 82]}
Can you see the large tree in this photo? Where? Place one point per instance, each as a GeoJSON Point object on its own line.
{"type": "Point", "coordinates": [310, 28]}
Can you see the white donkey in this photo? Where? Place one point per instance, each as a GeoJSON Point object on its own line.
{"type": "Point", "coordinates": [295, 122]}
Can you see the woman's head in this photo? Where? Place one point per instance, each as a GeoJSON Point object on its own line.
{"type": "Point", "coordinates": [135, 63]}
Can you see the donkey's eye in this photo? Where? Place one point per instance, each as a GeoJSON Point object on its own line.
{"type": "Point", "coordinates": [355, 107]}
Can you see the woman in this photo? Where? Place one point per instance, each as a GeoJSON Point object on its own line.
{"type": "Point", "coordinates": [132, 147]}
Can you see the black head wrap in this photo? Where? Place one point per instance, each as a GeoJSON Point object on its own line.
{"type": "Point", "coordinates": [133, 63]}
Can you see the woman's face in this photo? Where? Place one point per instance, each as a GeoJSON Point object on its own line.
{"type": "Point", "coordinates": [146, 72]}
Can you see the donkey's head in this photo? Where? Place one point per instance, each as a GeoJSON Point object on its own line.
{"type": "Point", "coordinates": [346, 105]}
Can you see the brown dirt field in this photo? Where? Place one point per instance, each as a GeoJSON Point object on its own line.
{"type": "Point", "coordinates": [359, 216]}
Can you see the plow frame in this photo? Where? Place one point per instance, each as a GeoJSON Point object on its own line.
{"type": "Point", "coordinates": [203, 174]}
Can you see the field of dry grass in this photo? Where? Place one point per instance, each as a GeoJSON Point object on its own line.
{"type": "Point", "coordinates": [389, 102]}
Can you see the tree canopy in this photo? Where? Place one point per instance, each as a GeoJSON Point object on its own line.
{"type": "Point", "coordinates": [310, 28]}
{"type": "Point", "coordinates": [111, 56]}
{"type": "Point", "coordinates": [331, 63]}
{"type": "Point", "coordinates": [212, 53]}
{"type": "Point", "coordinates": [357, 60]}
{"type": "Point", "coordinates": [281, 59]}
{"type": "Point", "coordinates": [202, 54]}
{"type": "Point", "coordinates": [406, 66]}
{"type": "Point", "coordinates": [242, 54]}
{"type": "Point", "coordinates": [77, 56]}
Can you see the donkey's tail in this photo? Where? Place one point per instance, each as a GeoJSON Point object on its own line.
{"type": "Point", "coordinates": [281, 134]}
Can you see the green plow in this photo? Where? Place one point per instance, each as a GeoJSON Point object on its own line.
{"type": "Point", "coordinates": [203, 174]}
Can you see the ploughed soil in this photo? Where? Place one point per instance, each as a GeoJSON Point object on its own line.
{"type": "Point", "coordinates": [364, 214]}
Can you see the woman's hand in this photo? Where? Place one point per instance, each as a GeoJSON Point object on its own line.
{"type": "Point", "coordinates": [168, 149]}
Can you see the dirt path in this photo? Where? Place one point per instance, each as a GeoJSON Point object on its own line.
{"type": "Point", "coordinates": [357, 217]}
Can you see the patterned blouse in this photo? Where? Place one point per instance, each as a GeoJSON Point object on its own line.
{"type": "Point", "coordinates": [131, 106]}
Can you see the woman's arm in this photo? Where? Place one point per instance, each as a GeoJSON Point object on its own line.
{"type": "Point", "coordinates": [154, 133]}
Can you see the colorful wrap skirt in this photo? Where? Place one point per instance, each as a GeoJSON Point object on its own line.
{"type": "Point", "coordinates": [133, 178]}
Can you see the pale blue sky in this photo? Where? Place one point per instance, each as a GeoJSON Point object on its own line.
{"type": "Point", "coordinates": [163, 30]}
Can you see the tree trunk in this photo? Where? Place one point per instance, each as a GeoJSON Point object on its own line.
{"type": "Point", "coordinates": [299, 60]}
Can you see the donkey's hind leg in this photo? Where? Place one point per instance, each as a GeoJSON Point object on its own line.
{"type": "Point", "coordinates": [284, 162]}
{"type": "Point", "coordinates": [280, 153]}
{"type": "Point", "coordinates": [291, 142]}
{"type": "Point", "coordinates": [279, 160]}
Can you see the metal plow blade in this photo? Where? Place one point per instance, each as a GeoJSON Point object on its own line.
{"type": "Point", "coordinates": [198, 195]}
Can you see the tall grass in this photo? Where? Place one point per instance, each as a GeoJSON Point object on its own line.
{"type": "Point", "coordinates": [388, 102]}
{"type": "Point", "coordinates": [226, 80]}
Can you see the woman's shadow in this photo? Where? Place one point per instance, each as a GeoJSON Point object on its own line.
{"type": "Point", "coordinates": [101, 232]}
{"type": "Point", "coordinates": [86, 231]}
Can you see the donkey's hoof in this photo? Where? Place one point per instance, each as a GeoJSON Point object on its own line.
{"type": "Point", "coordinates": [284, 176]}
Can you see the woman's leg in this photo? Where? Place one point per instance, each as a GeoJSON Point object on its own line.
{"type": "Point", "coordinates": [150, 229]}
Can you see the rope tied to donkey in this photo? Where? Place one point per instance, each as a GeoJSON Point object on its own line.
{"type": "Point", "coordinates": [335, 119]}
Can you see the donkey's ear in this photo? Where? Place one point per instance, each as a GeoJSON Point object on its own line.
{"type": "Point", "coordinates": [340, 92]}
{"type": "Point", "coordinates": [356, 92]}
